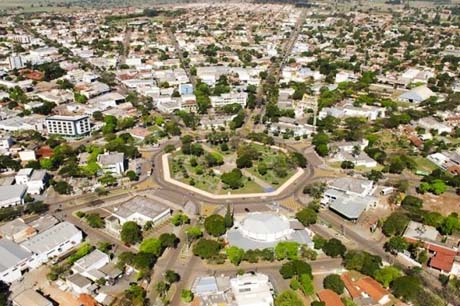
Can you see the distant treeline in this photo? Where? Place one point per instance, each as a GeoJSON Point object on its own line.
{"type": "Point", "coordinates": [301, 3]}
{"type": "Point", "coordinates": [145, 13]}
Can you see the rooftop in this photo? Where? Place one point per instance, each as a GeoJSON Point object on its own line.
{"type": "Point", "coordinates": [31, 297]}
{"type": "Point", "coordinates": [11, 254]}
{"type": "Point", "coordinates": [51, 238]}
{"type": "Point", "coordinates": [140, 205]}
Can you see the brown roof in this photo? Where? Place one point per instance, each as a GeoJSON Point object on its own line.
{"type": "Point", "coordinates": [86, 300]}
{"type": "Point", "coordinates": [330, 298]}
{"type": "Point", "coordinates": [442, 261]}
{"type": "Point", "coordinates": [351, 288]}
{"type": "Point", "coordinates": [372, 288]}
{"type": "Point", "coordinates": [45, 151]}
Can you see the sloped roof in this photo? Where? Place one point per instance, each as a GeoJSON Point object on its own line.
{"type": "Point", "coordinates": [330, 298]}
{"type": "Point", "coordinates": [372, 288]}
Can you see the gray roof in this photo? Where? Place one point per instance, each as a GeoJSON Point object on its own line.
{"type": "Point", "coordinates": [51, 238]}
{"type": "Point", "coordinates": [8, 192]}
{"type": "Point", "coordinates": [31, 297]}
{"type": "Point", "coordinates": [11, 254]}
{"type": "Point", "coordinates": [142, 206]}
{"type": "Point", "coordinates": [13, 227]}
{"type": "Point", "coordinates": [350, 184]}
{"type": "Point", "coordinates": [86, 261]}
{"type": "Point", "coordinates": [44, 222]}
{"type": "Point", "coordinates": [110, 158]}
{"type": "Point", "coordinates": [264, 223]}
{"type": "Point", "coordinates": [419, 231]}
{"type": "Point", "coordinates": [38, 175]}
{"type": "Point", "coordinates": [206, 284]}
{"type": "Point", "coordinates": [350, 207]}
{"type": "Point", "coordinates": [79, 280]}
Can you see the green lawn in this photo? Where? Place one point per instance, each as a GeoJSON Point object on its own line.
{"type": "Point", "coordinates": [424, 164]}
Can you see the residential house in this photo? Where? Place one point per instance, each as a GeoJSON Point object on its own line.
{"type": "Point", "coordinates": [31, 297]}
{"type": "Point", "coordinates": [89, 265]}
{"type": "Point", "coordinates": [112, 163]}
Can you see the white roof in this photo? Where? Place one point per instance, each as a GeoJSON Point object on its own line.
{"type": "Point", "coordinates": [264, 223]}
{"type": "Point", "coordinates": [51, 238]}
{"type": "Point", "coordinates": [11, 254]}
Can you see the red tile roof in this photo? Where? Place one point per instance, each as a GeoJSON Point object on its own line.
{"type": "Point", "coordinates": [442, 261]}
{"type": "Point", "coordinates": [351, 288]}
{"type": "Point", "coordinates": [330, 298]}
{"type": "Point", "coordinates": [372, 288]}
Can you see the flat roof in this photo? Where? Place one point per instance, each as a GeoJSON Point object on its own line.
{"type": "Point", "coordinates": [142, 206]}
{"type": "Point", "coordinates": [8, 192]}
{"type": "Point", "coordinates": [66, 118]}
{"type": "Point", "coordinates": [31, 297]}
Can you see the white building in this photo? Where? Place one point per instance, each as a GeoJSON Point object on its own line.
{"type": "Point", "coordinates": [417, 95]}
{"type": "Point", "coordinates": [52, 243]}
{"type": "Point", "coordinates": [89, 265]}
{"type": "Point", "coordinates": [31, 297]}
{"type": "Point", "coordinates": [140, 210]}
{"type": "Point", "coordinates": [252, 290]}
{"type": "Point", "coordinates": [112, 163]}
{"type": "Point", "coordinates": [16, 62]}
{"type": "Point", "coordinates": [68, 126]}
{"type": "Point", "coordinates": [12, 195]}
{"type": "Point", "coordinates": [14, 260]}
{"type": "Point", "coordinates": [229, 98]}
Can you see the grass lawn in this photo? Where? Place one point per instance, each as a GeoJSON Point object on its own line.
{"type": "Point", "coordinates": [249, 187]}
{"type": "Point", "coordinates": [424, 164]}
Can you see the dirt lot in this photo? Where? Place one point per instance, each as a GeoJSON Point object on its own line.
{"type": "Point", "coordinates": [444, 204]}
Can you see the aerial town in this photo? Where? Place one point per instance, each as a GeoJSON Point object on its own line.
{"type": "Point", "coordinates": [230, 153]}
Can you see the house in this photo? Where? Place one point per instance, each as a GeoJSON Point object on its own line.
{"type": "Point", "coordinates": [37, 182]}
{"type": "Point", "coordinates": [112, 163]}
{"type": "Point", "coordinates": [23, 176]}
{"type": "Point", "coordinates": [347, 110]}
{"type": "Point", "coordinates": [417, 95]}
{"type": "Point", "coordinates": [79, 284]}
{"type": "Point", "coordinates": [89, 265]}
{"type": "Point", "coordinates": [52, 242]}
{"type": "Point", "coordinates": [27, 155]}
{"type": "Point", "coordinates": [31, 297]}
{"type": "Point", "coordinates": [330, 298]}
{"type": "Point", "coordinates": [140, 210]}
{"type": "Point", "coordinates": [17, 230]}
{"type": "Point", "coordinates": [352, 151]}
{"type": "Point", "coordinates": [443, 257]}
{"type": "Point", "coordinates": [430, 123]}
{"type": "Point", "coordinates": [12, 195]}
{"type": "Point", "coordinates": [370, 287]}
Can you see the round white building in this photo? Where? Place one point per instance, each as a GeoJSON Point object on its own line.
{"type": "Point", "coordinates": [265, 227]}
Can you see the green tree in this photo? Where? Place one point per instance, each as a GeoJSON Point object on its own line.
{"type": "Point", "coordinates": [168, 240]}
{"type": "Point", "coordinates": [131, 233]}
{"type": "Point", "coordinates": [180, 219]}
{"type": "Point", "coordinates": [95, 220]}
{"type": "Point", "coordinates": [406, 287]}
{"type": "Point", "coordinates": [233, 179]}
{"type": "Point", "coordinates": [228, 218]}
{"type": "Point", "coordinates": [395, 224]}
{"type": "Point", "coordinates": [172, 276]}
{"type": "Point", "coordinates": [206, 248]}
{"type": "Point", "coordinates": [132, 175]}
{"type": "Point", "coordinates": [235, 255]}
{"type": "Point", "coordinates": [295, 268]}
{"type": "Point", "coordinates": [334, 248]}
{"type": "Point", "coordinates": [396, 244]}
{"type": "Point", "coordinates": [215, 225]}
{"type": "Point", "coordinates": [334, 282]}
{"type": "Point", "coordinates": [287, 249]}
{"type": "Point", "coordinates": [62, 187]}
{"type": "Point", "coordinates": [288, 298]}
{"type": "Point", "coordinates": [307, 216]}
{"type": "Point", "coordinates": [186, 295]}
{"type": "Point", "coordinates": [306, 284]}
{"type": "Point", "coordinates": [152, 246]}
{"type": "Point", "coordinates": [387, 275]}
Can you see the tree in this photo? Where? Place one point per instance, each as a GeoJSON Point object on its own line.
{"type": "Point", "coordinates": [193, 233]}
{"type": "Point", "coordinates": [306, 284]}
{"type": "Point", "coordinates": [233, 179]}
{"type": "Point", "coordinates": [299, 159]}
{"type": "Point", "coordinates": [206, 248]}
{"type": "Point", "coordinates": [152, 246]}
{"type": "Point", "coordinates": [363, 262]}
{"type": "Point", "coordinates": [172, 276]}
{"type": "Point", "coordinates": [136, 295]}
{"type": "Point", "coordinates": [215, 225]}
{"type": "Point", "coordinates": [287, 249]}
{"type": "Point", "coordinates": [95, 220]}
{"type": "Point", "coordinates": [244, 161]}
{"type": "Point", "coordinates": [132, 175]}
{"type": "Point", "coordinates": [179, 219]}
{"type": "Point", "coordinates": [168, 240]}
{"type": "Point", "coordinates": [387, 275]}
{"type": "Point", "coordinates": [346, 164]}
{"type": "Point", "coordinates": [62, 187]}
{"type": "Point", "coordinates": [334, 282]}
{"type": "Point", "coordinates": [288, 298]}
{"type": "Point", "coordinates": [186, 295]}
{"type": "Point", "coordinates": [396, 244]}
{"type": "Point", "coordinates": [395, 224]}
{"type": "Point", "coordinates": [4, 294]}
{"type": "Point", "coordinates": [131, 233]}
{"type": "Point", "coordinates": [411, 201]}
{"type": "Point", "coordinates": [406, 287]}
{"type": "Point", "coordinates": [307, 216]}
{"type": "Point", "coordinates": [295, 268]}
{"type": "Point", "coordinates": [228, 218]}
{"type": "Point", "coordinates": [235, 255]}
{"type": "Point", "coordinates": [334, 248]}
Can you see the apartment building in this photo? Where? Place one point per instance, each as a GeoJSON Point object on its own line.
{"type": "Point", "coordinates": [68, 126]}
